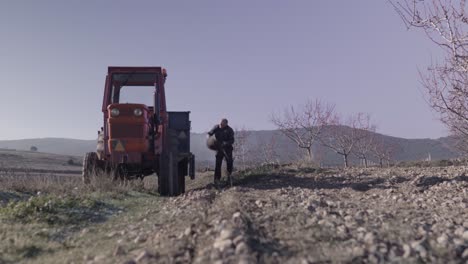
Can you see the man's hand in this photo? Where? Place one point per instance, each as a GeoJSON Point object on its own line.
{"type": "Point", "coordinates": [225, 144]}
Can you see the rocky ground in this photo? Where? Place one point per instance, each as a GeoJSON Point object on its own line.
{"type": "Point", "coordinates": [284, 215]}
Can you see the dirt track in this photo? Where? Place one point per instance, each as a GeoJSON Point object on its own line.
{"type": "Point", "coordinates": [291, 216]}
{"type": "Point", "coordinates": [288, 215]}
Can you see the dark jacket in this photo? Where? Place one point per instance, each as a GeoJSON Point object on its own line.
{"type": "Point", "coordinates": [225, 136]}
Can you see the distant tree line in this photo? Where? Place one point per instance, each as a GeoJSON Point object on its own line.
{"type": "Point", "coordinates": [312, 128]}
{"type": "Point", "coordinates": [318, 122]}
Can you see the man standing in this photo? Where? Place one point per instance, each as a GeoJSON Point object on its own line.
{"type": "Point", "coordinates": [224, 138]}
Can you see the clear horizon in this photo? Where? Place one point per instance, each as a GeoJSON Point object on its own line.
{"type": "Point", "coordinates": [241, 60]}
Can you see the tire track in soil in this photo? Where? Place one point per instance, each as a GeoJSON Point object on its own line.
{"type": "Point", "coordinates": [223, 229]}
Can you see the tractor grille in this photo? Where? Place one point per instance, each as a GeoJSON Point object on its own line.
{"type": "Point", "coordinates": [126, 111]}
{"type": "Point", "coordinates": [126, 131]}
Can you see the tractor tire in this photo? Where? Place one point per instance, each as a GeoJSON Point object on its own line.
{"type": "Point", "coordinates": [170, 182]}
{"type": "Point", "coordinates": [163, 176]}
{"type": "Point", "coordinates": [90, 166]}
{"type": "Point", "coordinates": [182, 170]}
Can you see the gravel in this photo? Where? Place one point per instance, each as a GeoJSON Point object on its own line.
{"type": "Point", "coordinates": [392, 215]}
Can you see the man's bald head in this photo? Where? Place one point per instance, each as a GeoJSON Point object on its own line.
{"type": "Point", "coordinates": [223, 123]}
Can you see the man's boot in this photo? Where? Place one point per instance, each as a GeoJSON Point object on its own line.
{"type": "Point", "coordinates": [229, 178]}
{"type": "Point", "coordinates": [217, 183]}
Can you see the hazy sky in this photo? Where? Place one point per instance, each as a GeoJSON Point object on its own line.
{"type": "Point", "coordinates": [236, 59]}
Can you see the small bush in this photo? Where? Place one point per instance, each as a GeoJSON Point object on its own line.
{"type": "Point", "coordinates": [51, 209]}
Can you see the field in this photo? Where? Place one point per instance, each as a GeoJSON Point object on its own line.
{"type": "Point", "coordinates": [278, 214]}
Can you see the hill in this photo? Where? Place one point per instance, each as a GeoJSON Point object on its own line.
{"type": "Point", "coordinates": [285, 150]}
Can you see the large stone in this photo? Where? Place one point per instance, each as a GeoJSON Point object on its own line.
{"type": "Point", "coordinates": [238, 239]}
{"type": "Point", "coordinates": [226, 233]}
{"type": "Point", "coordinates": [245, 260]}
{"type": "Point", "coordinates": [259, 203]}
{"type": "Point", "coordinates": [406, 251]}
{"type": "Point", "coordinates": [118, 251]}
{"type": "Point", "coordinates": [459, 231]}
{"type": "Point", "coordinates": [236, 215]}
{"type": "Point", "coordinates": [143, 255]}
{"type": "Point", "coordinates": [188, 231]}
{"type": "Point", "coordinates": [242, 248]}
{"type": "Point", "coordinates": [465, 253]}
{"type": "Point", "coordinates": [358, 251]}
{"type": "Point", "coordinates": [442, 239]}
{"type": "Point", "coordinates": [465, 235]}
{"type": "Point", "coordinates": [99, 258]}
{"type": "Point", "coordinates": [369, 238]}
{"type": "Point", "coordinates": [140, 239]}
{"type": "Point", "coordinates": [418, 246]}
{"type": "Point", "coordinates": [222, 245]}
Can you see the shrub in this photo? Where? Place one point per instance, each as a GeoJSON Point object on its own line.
{"type": "Point", "coordinates": [51, 209]}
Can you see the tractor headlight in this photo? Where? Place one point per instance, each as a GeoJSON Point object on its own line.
{"type": "Point", "coordinates": [137, 112]}
{"type": "Point", "coordinates": [115, 112]}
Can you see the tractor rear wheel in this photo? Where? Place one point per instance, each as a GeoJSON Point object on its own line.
{"type": "Point", "coordinates": [171, 182]}
{"type": "Point", "coordinates": [163, 176]}
{"type": "Point", "coordinates": [182, 170]}
{"type": "Point", "coordinates": [90, 166]}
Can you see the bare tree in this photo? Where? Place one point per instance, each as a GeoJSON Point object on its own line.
{"type": "Point", "coordinates": [446, 24]}
{"type": "Point", "coordinates": [380, 152]}
{"type": "Point", "coordinates": [304, 125]}
{"type": "Point", "coordinates": [241, 148]}
{"type": "Point", "coordinates": [342, 136]}
{"type": "Point", "coordinates": [384, 151]}
{"type": "Point", "coordinates": [460, 145]}
{"type": "Point", "coordinates": [390, 153]}
{"type": "Point", "coordinates": [363, 147]}
{"type": "Point", "coordinates": [320, 155]}
{"type": "Point", "coordinates": [268, 149]}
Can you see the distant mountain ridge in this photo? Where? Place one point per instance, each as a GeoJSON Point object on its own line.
{"type": "Point", "coordinates": [407, 149]}
{"type": "Point", "coordinates": [62, 146]}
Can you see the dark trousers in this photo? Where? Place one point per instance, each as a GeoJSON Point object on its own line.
{"type": "Point", "coordinates": [225, 153]}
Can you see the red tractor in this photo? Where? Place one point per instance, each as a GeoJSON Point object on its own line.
{"type": "Point", "coordinates": [139, 139]}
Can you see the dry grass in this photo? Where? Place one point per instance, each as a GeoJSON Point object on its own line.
{"type": "Point", "coordinates": [43, 213]}
{"type": "Point", "coordinates": [39, 183]}
{"type": "Point", "coordinates": [104, 182]}
{"type": "Point", "coordinates": [34, 183]}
